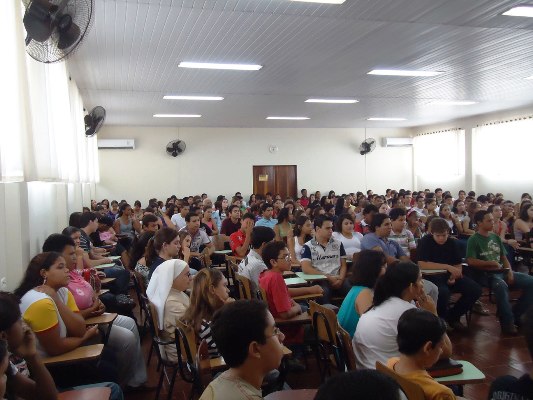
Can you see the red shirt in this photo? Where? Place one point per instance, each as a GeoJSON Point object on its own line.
{"type": "Point", "coordinates": [279, 301]}
{"type": "Point", "coordinates": [236, 239]}
{"type": "Point", "coordinates": [362, 229]}
{"type": "Point", "coordinates": [304, 201]}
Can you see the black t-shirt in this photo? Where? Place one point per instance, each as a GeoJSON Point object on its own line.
{"type": "Point", "coordinates": [510, 388]}
{"type": "Point", "coordinates": [447, 253]}
{"type": "Point", "coordinates": [156, 263]}
{"type": "Point", "coordinates": [228, 227]}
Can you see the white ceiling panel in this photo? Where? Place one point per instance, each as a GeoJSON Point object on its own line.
{"type": "Point", "coordinates": [129, 60]}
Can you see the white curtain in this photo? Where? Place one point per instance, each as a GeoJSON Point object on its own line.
{"type": "Point", "coordinates": [440, 154]}
{"type": "Point", "coordinates": [45, 139]}
{"type": "Point", "coordinates": [503, 150]}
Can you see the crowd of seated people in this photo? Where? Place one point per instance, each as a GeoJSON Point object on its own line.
{"type": "Point", "coordinates": [365, 246]}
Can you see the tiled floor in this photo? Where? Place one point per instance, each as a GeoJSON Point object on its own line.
{"type": "Point", "coordinates": [483, 346]}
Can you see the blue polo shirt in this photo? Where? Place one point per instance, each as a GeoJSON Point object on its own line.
{"type": "Point", "coordinates": [269, 223]}
{"type": "Point", "coordinates": [389, 247]}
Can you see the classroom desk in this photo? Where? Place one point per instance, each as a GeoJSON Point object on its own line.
{"type": "Point", "coordinates": [107, 280]}
{"type": "Point", "coordinates": [307, 297]}
{"type": "Point", "coordinates": [101, 292]}
{"type": "Point", "coordinates": [303, 318]}
{"type": "Point", "coordinates": [104, 319]}
{"type": "Point", "coordinates": [113, 257]}
{"type": "Point", "coordinates": [300, 394]}
{"type": "Point", "coordinates": [223, 252]}
{"type": "Point", "coordinates": [104, 266]}
{"type": "Point", "coordinates": [82, 353]}
{"type": "Point", "coordinates": [295, 282]}
{"type": "Point", "coordinates": [95, 393]}
{"type": "Point", "coordinates": [219, 363]}
{"type": "Point", "coordinates": [311, 277]}
{"type": "Point", "coordinates": [287, 274]}
{"type": "Point", "coordinates": [433, 271]}
{"type": "Point", "coordinates": [470, 374]}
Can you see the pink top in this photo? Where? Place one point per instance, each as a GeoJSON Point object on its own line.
{"type": "Point", "coordinates": [105, 236]}
{"type": "Point", "coordinates": [81, 290]}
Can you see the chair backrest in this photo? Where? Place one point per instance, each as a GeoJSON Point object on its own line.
{"type": "Point", "coordinates": [345, 342]}
{"type": "Point", "coordinates": [245, 287]}
{"type": "Point", "coordinates": [411, 389]}
{"type": "Point", "coordinates": [261, 294]}
{"type": "Point", "coordinates": [186, 358]}
{"type": "Point", "coordinates": [203, 367]}
{"type": "Point", "coordinates": [190, 335]}
{"type": "Point", "coordinates": [325, 320]}
{"type": "Point", "coordinates": [140, 290]}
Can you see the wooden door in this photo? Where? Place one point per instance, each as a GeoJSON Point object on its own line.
{"type": "Point", "coordinates": [277, 179]}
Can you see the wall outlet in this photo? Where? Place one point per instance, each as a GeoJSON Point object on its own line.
{"type": "Point", "coordinates": [3, 283]}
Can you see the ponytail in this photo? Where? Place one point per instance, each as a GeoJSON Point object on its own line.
{"type": "Point", "coordinates": [397, 278]}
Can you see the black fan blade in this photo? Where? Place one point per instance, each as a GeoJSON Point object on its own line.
{"type": "Point", "coordinates": [170, 149]}
{"type": "Point", "coordinates": [38, 21]}
{"type": "Point", "coordinates": [69, 32]}
{"type": "Point", "coordinates": [90, 131]}
{"type": "Point", "coordinates": [88, 120]}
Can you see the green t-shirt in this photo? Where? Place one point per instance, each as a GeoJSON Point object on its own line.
{"type": "Point", "coordinates": [486, 248]}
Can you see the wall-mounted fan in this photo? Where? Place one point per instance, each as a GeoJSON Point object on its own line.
{"type": "Point", "coordinates": [176, 147]}
{"type": "Point", "coordinates": [367, 146]}
{"type": "Point", "coordinates": [94, 121]}
{"type": "Point", "coordinates": [55, 28]}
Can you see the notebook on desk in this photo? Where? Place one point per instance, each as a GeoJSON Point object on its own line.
{"type": "Point", "coordinates": [445, 367]}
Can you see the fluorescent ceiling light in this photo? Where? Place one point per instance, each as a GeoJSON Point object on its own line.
{"type": "Point", "coordinates": [207, 98]}
{"type": "Point", "coordinates": [289, 118]}
{"type": "Point", "coordinates": [332, 101]}
{"type": "Point", "coordinates": [529, 77]}
{"type": "Point", "coordinates": [452, 102]}
{"type": "Point", "coordinates": [403, 72]}
{"type": "Point", "coordinates": [238, 67]}
{"type": "Point", "coordinates": [322, 1]}
{"type": "Point", "coordinates": [385, 119]}
{"type": "Point", "coordinates": [177, 115]}
{"type": "Point", "coordinates": [521, 11]}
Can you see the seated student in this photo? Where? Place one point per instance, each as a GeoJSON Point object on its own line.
{"type": "Point", "coordinates": [266, 216]}
{"type": "Point", "coordinates": [106, 233]}
{"type": "Point", "coordinates": [301, 233]}
{"type": "Point", "coordinates": [345, 234]}
{"type": "Point", "coordinates": [122, 276]}
{"type": "Point", "coordinates": [485, 251]}
{"type": "Point", "coordinates": [49, 308]}
{"type": "Point", "coordinates": [126, 225]}
{"type": "Point", "coordinates": [233, 221]}
{"type": "Point", "coordinates": [325, 255]}
{"type": "Point", "coordinates": [209, 293]}
{"type": "Point", "coordinates": [439, 251]}
{"type": "Point", "coordinates": [510, 387]}
{"type": "Point", "coordinates": [421, 338]}
{"type": "Point", "coordinates": [164, 246]}
{"type": "Point", "coordinates": [370, 265]}
{"type": "Point", "coordinates": [284, 225]}
{"type": "Point", "coordinates": [28, 378]}
{"type": "Point", "coordinates": [252, 265]}
{"type": "Point", "coordinates": [277, 258]}
{"type": "Point", "coordinates": [124, 337]}
{"type": "Point", "coordinates": [240, 241]}
{"type": "Point", "coordinates": [179, 219]}
{"type": "Point", "coordinates": [251, 350]}
{"type": "Point", "coordinates": [399, 233]}
{"type": "Point", "coordinates": [368, 213]}
{"type": "Point", "coordinates": [378, 239]}
{"type": "Point", "coordinates": [166, 291]}
{"type": "Point", "coordinates": [199, 241]}
{"type": "Point", "coordinates": [138, 262]}
{"type": "Point", "coordinates": [359, 385]}
{"type": "Point", "coordinates": [395, 292]}
{"type": "Point", "coordinates": [150, 223]}
{"type": "Point", "coordinates": [208, 219]}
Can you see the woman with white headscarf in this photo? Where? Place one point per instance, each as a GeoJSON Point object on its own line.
{"type": "Point", "coordinates": [166, 291]}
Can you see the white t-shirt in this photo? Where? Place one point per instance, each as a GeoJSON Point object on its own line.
{"type": "Point", "coordinates": [298, 248]}
{"type": "Point", "coordinates": [351, 246]}
{"type": "Point", "coordinates": [375, 335]}
{"type": "Point", "coordinates": [251, 267]}
{"type": "Point", "coordinates": [179, 221]}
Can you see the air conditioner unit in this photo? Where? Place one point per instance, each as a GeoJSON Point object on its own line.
{"type": "Point", "coordinates": [116, 143]}
{"type": "Point", "coordinates": [396, 142]}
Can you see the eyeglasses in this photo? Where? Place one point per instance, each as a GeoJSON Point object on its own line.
{"type": "Point", "coordinates": [286, 258]}
{"type": "Point", "coordinates": [275, 332]}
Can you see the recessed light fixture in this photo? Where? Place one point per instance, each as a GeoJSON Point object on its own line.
{"type": "Point", "coordinates": [207, 98]}
{"type": "Point", "coordinates": [322, 1]}
{"type": "Point", "coordinates": [289, 118]}
{"type": "Point", "coordinates": [452, 102]}
{"type": "Point", "coordinates": [177, 115]}
{"type": "Point", "coordinates": [403, 72]}
{"type": "Point", "coordinates": [520, 11]}
{"type": "Point", "coordinates": [385, 119]}
{"type": "Point", "coordinates": [237, 67]}
{"type": "Point", "coordinates": [332, 101]}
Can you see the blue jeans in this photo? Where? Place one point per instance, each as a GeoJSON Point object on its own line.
{"type": "Point", "coordinates": [524, 282]}
{"type": "Point", "coordinates": [469, 290]}
{"type": "Point", "coordinates": [116, 391]}
{"type": "Point", "coordinates": [329, 291]}
{"type": "Point", "coordinates": [121, 282]}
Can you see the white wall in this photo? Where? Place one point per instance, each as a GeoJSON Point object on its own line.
{"type": "Point", "coordinates": [511, 187]}
{"type": "Point", "coordinates": [220, 160]}
{"type": "Point", "coordinates": [29, 212]}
